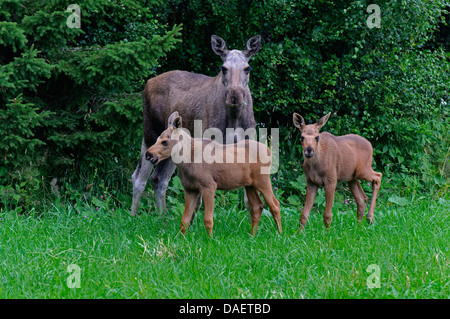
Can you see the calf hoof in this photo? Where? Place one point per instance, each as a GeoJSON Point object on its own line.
{"type": "Point", "coordinates": [370, 220]}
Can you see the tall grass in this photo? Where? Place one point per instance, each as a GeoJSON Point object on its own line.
{"type": "Point", "coordinates": [146, 257]}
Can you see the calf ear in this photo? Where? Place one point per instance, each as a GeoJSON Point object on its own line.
{"type": "Point", "coordinates": [177, 122]}
{"type": "Point", "coordinates": [171, 118]}
{"type": "Point", "coordinates": [298, 121]}
{"type": "Point", "coordinates": [219, 46]}
{"type": "Point", "coordinates": [253, 45]}
{"type": "Point", "coordinates": [322, 121]}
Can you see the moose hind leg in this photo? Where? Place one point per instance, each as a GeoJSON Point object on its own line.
{"type": "Point", "coordinates": [273, 203]}
{"type": "Point", "coordinates": [160, 180]}
{"type": "Point", "coordinates": [197, 207]}
{"type": "Point", "coordinates": [366, 199]}
{"type": "Point", "coordinates": [255, 205]}
{"type": "Point", "coordinates": [376, 183]}
{"type": "Point", "coordinates": [360, 198]}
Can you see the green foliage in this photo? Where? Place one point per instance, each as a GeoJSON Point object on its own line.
{"type": "Point", "coordinates": [72, 97]}
{"type": "Point", "coordinates": [24, 73]}
{"type": "Point", "coordinates": [17, 136]}
{"type": "Point", "coordinates": [11, 35]}
{"type": "Point", "coordinates": [388, 84]}
{"type": "Point", "coordinates": [80, 90]}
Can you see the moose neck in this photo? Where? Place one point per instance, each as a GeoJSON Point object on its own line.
{"type": "Point", "coordinates": [193, 147]}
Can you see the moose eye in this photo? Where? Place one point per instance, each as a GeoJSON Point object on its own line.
{"type": "Point", "coordinates": [164, 143]}
{"type": "Point", "coordinates": [302, 138]}
{"type": "Point", "coordinates": [224, 69]}
{"type": "Point", "coordinates": [248, 69]}
{"type": "Point", "coordinates": [317, 138]}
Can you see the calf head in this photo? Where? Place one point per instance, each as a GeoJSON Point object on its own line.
{"type": "Point", "coordinates": [310, 133]}
{"type": "Point", "coordinates": [162, 149]}
{"type": "Point", "coordinates": [235, 68]}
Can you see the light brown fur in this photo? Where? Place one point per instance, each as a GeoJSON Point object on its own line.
{"type": "Point", "coordinates": [205, 178]}
{"type": "Point", "coordinates": [329, 159]}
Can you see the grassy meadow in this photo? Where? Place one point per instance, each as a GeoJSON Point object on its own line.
{"type": "Point", "coordinates": [120, 256]}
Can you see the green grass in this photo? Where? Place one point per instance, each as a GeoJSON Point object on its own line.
{"type": "Point", "coordinates": [146, 257]}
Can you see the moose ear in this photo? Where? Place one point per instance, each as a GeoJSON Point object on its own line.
{"type": "Point", "coordinates": [172, 118]}
{"type": "Point", "coordinates": [298, 120]}
{"type": "Point", "coordinates": [219, 46]}
{"type": "Point", "coordinates": [253, 45]}
{"type": "Point", "coordinates": [177, 122]}
{"type": "Point", "coordinates": [323, 121]}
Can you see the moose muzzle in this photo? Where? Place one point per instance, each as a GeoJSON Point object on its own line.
{"type": "Point", "coordinates": [235, 97]}
{"type": "Point", "coordinates": [309, 152]}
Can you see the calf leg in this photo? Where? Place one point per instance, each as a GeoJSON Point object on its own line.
{"type": "Point", "coordinates": [255, 205]}
{"type": "Point", "coordinates": [208, 199]}
{"type": "Point", "coordinates": [311, 192]}
{"type": "Point", "coordinates": [376, 183]}
{"type": "Point", "coordinates": [272, 202]}
{"type": "Point", "coordinates": [140, 178]}
{"type": "Point", "coordinates": [330, 189]}
{"type": "Point", "coordinates": [190, 203]}
{"type": "Point", "coordinates": [247, 203]}
{"type": "Point", "coordinates": [366, 199]}
{"type": "Point", "coordinates": [160, 179]}
{"type": "Point", "coordinates": [358, 193]}
{"type": "Point", "coordinates": [197, 207]}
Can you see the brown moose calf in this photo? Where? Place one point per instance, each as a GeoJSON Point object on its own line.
{"type": "Point", "coordinates": [233, 166]}
{"type": "Point", "coordinates": [329, 159]}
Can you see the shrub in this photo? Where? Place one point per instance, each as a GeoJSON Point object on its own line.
{"type": "Point", "coordinates": [388, 84]}
{"type": "Point", "coordinates": [71, 97]}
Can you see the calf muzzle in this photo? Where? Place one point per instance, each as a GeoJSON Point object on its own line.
{"type": "Point", "coordinates": [150, 157]}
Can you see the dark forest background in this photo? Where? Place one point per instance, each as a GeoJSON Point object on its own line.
{"type": "Point", "coordinates": [71, 98]}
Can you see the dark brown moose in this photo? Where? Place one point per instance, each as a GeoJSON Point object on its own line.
{"type": "Point", "coordinates": [234, 166]}
{"type": "Point", "coordinates": [329, 159]}
{"type": "Point", "coordinates": [221, 102]}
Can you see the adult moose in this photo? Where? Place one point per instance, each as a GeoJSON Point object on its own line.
{"type": "Point", "coordinates": [221, 102]}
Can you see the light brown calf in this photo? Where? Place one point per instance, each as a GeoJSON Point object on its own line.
{"type": "Point", "coordinates": [329, 159]}
{"type": "Point", "coordinates": [204, 177]}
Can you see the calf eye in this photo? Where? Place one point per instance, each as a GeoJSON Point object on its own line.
{"type": "Point", "coordinates": [302, 138]}
{"type": "Point", "coordinates": [164, 143]}
{"type": "Point", "coordinates": [224, 70]}
{"type": "Point", "coordinates": [248, 69]}
{"type": "Point", "coordinates": [317, 139]}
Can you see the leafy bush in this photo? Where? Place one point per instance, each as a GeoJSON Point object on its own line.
{"type": "Point", "coordinates": [388, 84]}
{"type": "Point", "coordinates": [72, 97]}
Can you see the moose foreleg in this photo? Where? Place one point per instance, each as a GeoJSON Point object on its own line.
{"type": "Point", "coordinates": [140, 178]}
{"type": "Point", "coordinates": [208, 200]}
{"type": "Point", "coordinates": [160, 180]}
{"type": "Point", "coordinates": [311, 192]}
{"type": "Point", "coordinates": [191, 199]}
{"type": "Point", "coordinates": [330, 189]}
